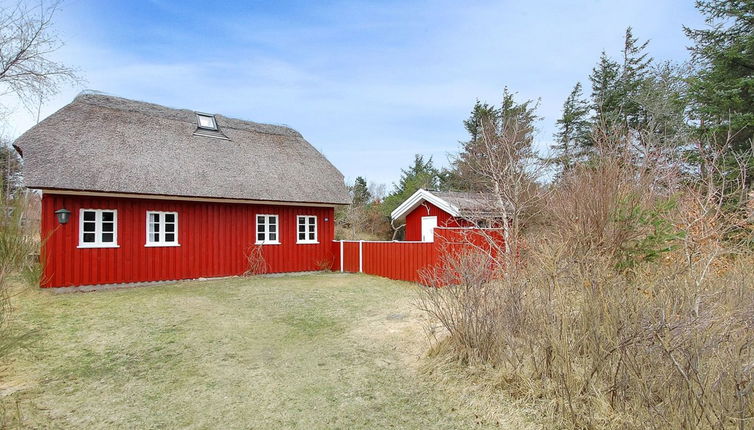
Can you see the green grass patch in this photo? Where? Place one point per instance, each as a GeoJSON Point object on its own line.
{"type": "Point", "coordinates": [312, 351]}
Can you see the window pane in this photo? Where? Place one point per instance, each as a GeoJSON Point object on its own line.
{"type": "Point", "coordinates": [169, 217]}
{"type": "Point", "coordinates": [170, 228]}
{"type": "Point", "coordinates": [169, 237]}
{"type": "Point", "coordinates": [89, 226]}
{"type": "Point", "coordinates": [260, 237]}
{"type": "Point", "coordinates": [155, 227]}
{"type": "Point", "coordinates": [89, 237]}
{"type": "Point", "coordinates": [108, 216]}
{"type": "Point", "coordinates": [272, 220]}
{"type": "Point", "coordinates": [155, 237]}
{"type": "Point", "coordinates": [107, 237]}
{"type": "Point", "coordinates": [311, 227]}
{"type": "Point", "coordinates": [206, 121]}
{"type": "Point", "coordinates": [89, 216]}
{"type": "Point", "coordinates": [273, 228]}
{"type": "Point", "coordinates": [301, 221]}
{"type": "Point", "coordinates": [260, 228]}
{"type": "Point", "coordinates": [313, 220]}
{"type": "Point", "coordinates": [302, 228]}
{"type": "Point", "coordinates": [107, 226]}
{"type": "Point", "coordinates": [301, 236]}
{"type": "Point", "coordinates": [311, 236]}
{"type": "Point", "coordinates": [260, 219]}
{"type": "Point", "coordinates": [273, 236]}
{"type": "Point", "coordinates": [153, 217]}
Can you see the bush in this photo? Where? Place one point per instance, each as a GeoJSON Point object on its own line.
{"type": "Point", "coordinates": [630, 310]}
{"type": "Point", "coordinates": [255, 261]}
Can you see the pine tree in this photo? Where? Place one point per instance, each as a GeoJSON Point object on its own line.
{"type": "Point", "coordinates": [421, 174]}
{"type": "Point", "coordinates": [722, 90]}
{"type": "Point", "coordinates": [480, 113]}
{"type": "Point", "coordinates": [634, 74]}
{"type": "Point", "coordinates": [360, 192]}
{"type": "Point", "coordinates": [606, 91]}
{"type": "Point", "coordinates": [495, 121]}
{"type": "Point", "coordinates": [572, 136]}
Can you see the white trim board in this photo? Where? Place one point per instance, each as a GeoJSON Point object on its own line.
{"type": "Point", "coordinates": [417, 198]}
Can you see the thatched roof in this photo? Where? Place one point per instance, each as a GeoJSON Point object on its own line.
{"type": "Point", "coordinates": [105, 143]}
{"type": "Point", "coordinates": [469, 203]}
{"type": "Point", "coordinates": [456, 203]}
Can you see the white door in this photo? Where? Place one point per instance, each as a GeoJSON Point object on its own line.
{"type": "Point", "coordinates": [428, 228]}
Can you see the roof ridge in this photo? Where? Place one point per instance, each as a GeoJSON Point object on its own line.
{"type": "Point", "coordinates": [98, 98]}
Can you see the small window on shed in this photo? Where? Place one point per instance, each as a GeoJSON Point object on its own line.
{"type": "Point", "coordinates": [206, 121]}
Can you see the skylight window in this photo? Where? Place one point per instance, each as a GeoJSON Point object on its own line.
{"type": "Point", "coordinates": [206, 121]}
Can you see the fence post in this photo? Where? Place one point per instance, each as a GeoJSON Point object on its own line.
{"type": "Point", "coordinates": [341, 256]}
{"type": "Point", "coordinates": [361, 256]}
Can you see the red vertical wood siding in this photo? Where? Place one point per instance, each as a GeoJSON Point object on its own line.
{"type": "Point", "coordinates": [351, 257]}
{"type": "Point", "coordinates": [414, 220]}
{"type": "Point", "coordinates": [214, 238]}
{"type": "Point", "coordinates": [407, 260]}
{"type": "Point", "coordinates": [398, 260]}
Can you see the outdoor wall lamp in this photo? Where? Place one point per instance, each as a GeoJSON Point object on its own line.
{"type": "Point", "coordinates": [63, 215]}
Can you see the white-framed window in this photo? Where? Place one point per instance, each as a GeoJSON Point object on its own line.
{"type": "Point", "coordinates": [98, 228]}
{"type": "Point", "coordinates": [268, 231]}
{"type": "Point", "coordinates": [306, 231]}
{"type": "Point", "coordinates": [162, 228]}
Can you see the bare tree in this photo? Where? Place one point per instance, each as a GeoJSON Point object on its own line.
{"type": "Point", "coordinates": [505, 161]}
{"type": "Point", "coordinates": [27, 41]}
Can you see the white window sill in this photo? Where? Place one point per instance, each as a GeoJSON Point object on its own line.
{"type": "Point", "coordinates": [161, 245]}
{"type": "Point", "coordinates": [267, 243]}
{"type": "Point", "coordinates": [91, 245]}
{"type": "Point", "coordinates": [306, 242]}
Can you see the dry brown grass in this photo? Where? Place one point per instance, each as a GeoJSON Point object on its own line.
{"type": "Point", "coordinates": [628, 312]}
{"type": "Point", "coordinates": [318, 351]}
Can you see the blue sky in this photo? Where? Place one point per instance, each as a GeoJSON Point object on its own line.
{"type": "Point", "coordinates": [368, 83]}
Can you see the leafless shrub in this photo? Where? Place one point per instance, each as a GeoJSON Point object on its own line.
{"type": "Point", "coordinates": [462, 299]}
{"type": "Point", "coordinates": [362, 222]}
{"type": "Point", "coordinates": [255, 262]}
{"type": "Point", "coordinates": [325, 264]}
{"type": "Point", "coordinates": [664, 342]}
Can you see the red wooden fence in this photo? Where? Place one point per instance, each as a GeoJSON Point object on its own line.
{"type": "Point", "coordinates": [404, 260]}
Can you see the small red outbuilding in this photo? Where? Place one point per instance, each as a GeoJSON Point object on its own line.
{"type": "Point", "coordinates": [426, 210]}
{"type": "Point", "coordinates": [135, 192]}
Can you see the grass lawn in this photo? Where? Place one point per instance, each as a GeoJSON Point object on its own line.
{"type": "Point", "coordinates": [308, 351]}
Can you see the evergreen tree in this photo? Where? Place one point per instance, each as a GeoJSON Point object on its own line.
{"type": "Point", "coordinates": [421, 174]}
{"type": "Point", "coordinates": [360, 192]}
{"type": "Point", "coordinates": [606, 97]}
{"type": "Point", "coordinates": [615, 86]}
{"type": "Point", "coordinates": [634, 75]}
{"type": "Point", "coordinates": [721, 93]}
{"type": "Point", "coordinates": [481, 113]}
{"type": "Point", "coordinates": [496, 122]}
{"type": "Point", "coordinates": [574, 127]}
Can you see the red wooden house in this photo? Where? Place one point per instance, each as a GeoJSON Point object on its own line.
{"type": "Point", "coordinates": [135, 192]}
{"type": "Point", "coordinates": [426, 210]}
